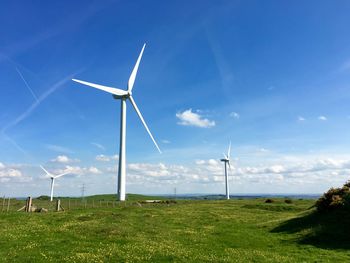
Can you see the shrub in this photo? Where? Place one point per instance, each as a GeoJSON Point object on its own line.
{"type": "Point", "coordinates": [268, 201]}
{"type": "Point", "coordinates": [43, 197]}
{"type": "Point", "coordinates": [288, 201]}
{"type": "Point", "coordinates": [334, 199]}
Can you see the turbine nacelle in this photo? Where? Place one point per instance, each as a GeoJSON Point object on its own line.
{"type": "Point", "coordinates": [119, 97]}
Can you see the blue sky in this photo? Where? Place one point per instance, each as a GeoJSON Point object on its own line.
{"type": "Point", "coordinates": [270, 76]}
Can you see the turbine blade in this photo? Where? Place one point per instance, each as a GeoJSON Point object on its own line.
{"type": "Point", "coordinates": [134, 71]}
{"type": "Point", "coordinates": [229, 151]}
{"type": "Point", "coordinates": [225, 155]}
{"type": "Point", "coordinates": [44, 170]}
{"type": "Point", "coordinates": [114, 91]}
{"type": "Point", "coordinates": [143, 121]}
{"type": "Point", "coordinates": [61, 174]}
{"type": "Point", "coordinates": [230, 167]}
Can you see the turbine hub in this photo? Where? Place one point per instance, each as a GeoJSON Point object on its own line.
{"type": "Point", "coordinates": [117, 97]}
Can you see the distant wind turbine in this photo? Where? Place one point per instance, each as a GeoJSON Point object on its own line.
{"type": "Point", "coordinates": [53, 177]}
{"type": "Point", "coordinates": [123, 95]}
{"type": "Point", "coordinates": [226, 161]}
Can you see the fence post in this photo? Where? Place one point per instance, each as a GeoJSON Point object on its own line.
{"type": "Point", "coordinates": [3, 203]}
{"type": "Point", "coordinates": [28, 204]}
{"type": "Point", "coordinates": [58, 205]}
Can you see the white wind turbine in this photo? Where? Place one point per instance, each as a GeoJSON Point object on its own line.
{"type": "Point", "coordinates": [53, 177]}
{"type": "Point", "coordinates": [123, 95]}
{"type": "Point", "coordinates": [226, 161]}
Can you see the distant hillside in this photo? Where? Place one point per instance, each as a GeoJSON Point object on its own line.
{"type": "Point", "coordinates": [107, 197]}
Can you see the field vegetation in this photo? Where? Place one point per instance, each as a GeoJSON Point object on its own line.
{"type": "Point", "coordinates": [238, 230]}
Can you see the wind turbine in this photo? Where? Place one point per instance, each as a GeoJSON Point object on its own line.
{"type": "Point", "coordinates": [226, 161]}
{"type": "Point", "coordinates": [53, 177]}
{"type": "Point", "coordinates": [123, 95]}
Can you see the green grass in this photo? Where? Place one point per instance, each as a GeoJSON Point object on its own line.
{"type": "Point", "coordinates": [189, 231]}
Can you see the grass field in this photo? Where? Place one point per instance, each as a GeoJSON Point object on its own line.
{"type": "Point", "coordinates": [246, 230]}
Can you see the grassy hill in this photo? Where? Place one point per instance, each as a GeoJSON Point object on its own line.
{"type": "Point", "coordinates": [188, 231]}
{"type": "Point", "coordinates": [105, 197]}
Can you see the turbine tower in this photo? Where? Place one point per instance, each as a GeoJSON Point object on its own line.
{"type": "Point", "coordinates": [123, 96]}
{"type": "Point", "coordinates": [226, 161]}
{"type": "Point", "coordinates": [53, 177]}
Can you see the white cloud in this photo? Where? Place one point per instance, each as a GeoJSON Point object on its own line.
{"type": "Point", "coordinates": [58, 148]}
{"type": "Point", "coordinates": [199, 162]}
{"type": "Point", "coordinates": [301, 118]}
{"type": "Point", "coordinates": [276, 169]}
{"type": "Point", "coordinates": [94, 170]}
{"type": "Point", "coordinates": [10, 173]}
{"type": "Point", "coordinates": [102, 158]}
{"type": "Point", "coordinates": [113, 169]}
{"type": "Point", "coordinates": [235, 115]}
{"type": "Point", "coordinates": [213, 162]}
{"type": "Point", "coordinates": [77, 170]}
{"type": "Point", "coordinates": [143, 173]}
{"type": "Point", "coordinates": [189, 118]}
{"type": "Point", "coordinates": [4, 180]}
{"type": "Point", "coordinates": [211, 172]}
{"type": "Point", "coordinates": [284, 174]}
{"type": "Point", "coordinates": [165, 141]}
{"type": "Point", "coordinates": [106, 158]}
{"type": "Point", "coordinates": [64, 159]}
{"type": "Point", "coordinates": [263, 150]}
{"type": "Point", "coordinates": [322, 118]}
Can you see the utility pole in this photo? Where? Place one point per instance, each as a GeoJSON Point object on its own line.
{"type": "Point", "coordinates": [175, 192]}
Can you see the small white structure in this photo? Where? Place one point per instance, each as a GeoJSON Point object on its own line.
{"type": "Point", "coordinates": [123, 95]}
{"type": "Point", "coordinates": [226, 161]}
{"type": "Point", "coordinates": [53, 177]}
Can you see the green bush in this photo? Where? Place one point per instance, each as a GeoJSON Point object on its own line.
{"type": "Point", "coordinates": [288, 201]}
{"type": "Point", "coordinates": [334, 199]}
{"type": "Point", "coordinates": [43, 197]}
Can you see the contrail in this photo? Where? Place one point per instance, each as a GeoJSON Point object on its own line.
{"type": "Point", "coordinates": [100, 146]}
{"type": "Point", "coordinates": [32, 107]}
{"type": "Point", "coordinates": [15, 144]}
{"type": "Point", "coordinates": [25, 82]}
